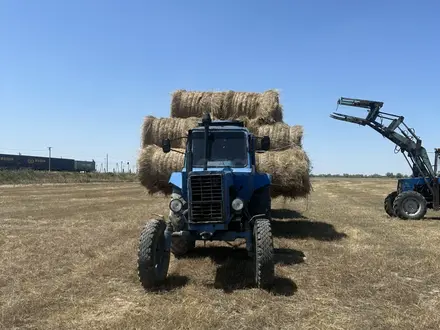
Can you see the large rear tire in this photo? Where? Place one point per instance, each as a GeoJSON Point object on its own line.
{"type": "Point", "coordinates": [410, 205]}
{"type": "Point", "coordinates": [264, 254]}
{"type": "Point", "coordinates": [388, 203]}
{"type": "Point", "coordinates": [153, 257]}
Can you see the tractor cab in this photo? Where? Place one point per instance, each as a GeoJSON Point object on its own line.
{"type": "Point", "coordinates": [221, 144]}
{"type": "Point", "coordinates": [220, 155]}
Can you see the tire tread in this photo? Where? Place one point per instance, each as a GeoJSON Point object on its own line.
{"type": "Point", "coordinates": [264, 253]}
{"type": "Point", "coordinates": [150, 234]}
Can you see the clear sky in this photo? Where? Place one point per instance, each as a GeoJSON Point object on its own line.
{"type": "Point", "coordinates": [80, 75]}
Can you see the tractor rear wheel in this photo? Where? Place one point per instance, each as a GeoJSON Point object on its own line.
{"type": "Point", "coordinates": [388, 203]}
{"type": "Point", "coordinates": [410, 205]}
{"type": "Point", "coordinates": [264, 254]}
{"type": "Point", "coordinates": [153, 257]}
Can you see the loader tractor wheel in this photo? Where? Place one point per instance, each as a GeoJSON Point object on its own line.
{"type": "Point", "coordinates": [388, 203]}
{"type": "Point", "coordinates": [264, 254]}
{"type": "Point", "coordinates": [410, 205]}
{"type": "Point", "coordinates": [180, 245]}
{"type": "Point", "coordinates": [153, 257]}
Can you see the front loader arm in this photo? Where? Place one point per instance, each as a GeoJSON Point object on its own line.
{"type": "Point", "coordinates": [405, 140]}
{"type": "Point", "coordinates": [350, 119]}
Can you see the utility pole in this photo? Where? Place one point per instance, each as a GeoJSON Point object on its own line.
{"type": "Point", "coordinates": [50, 155]}
{"type": "Point", "coordinates": [122, 168]}
{"type": "Point", "coordinates": [107, 162]}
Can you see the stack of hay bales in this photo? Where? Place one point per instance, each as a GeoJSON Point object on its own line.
{"type": "Point", "coordinates": [262, 114]}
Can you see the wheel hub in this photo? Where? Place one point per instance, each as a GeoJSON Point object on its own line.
{"type": "Point", "coordinates": [411, 206]}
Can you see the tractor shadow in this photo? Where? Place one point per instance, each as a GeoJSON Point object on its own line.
{"type": "Point", "coordinates": [235, 268]}
{"type": "Point", "coordinates": [172, 282]}
{"type": "Point", "coordinates": [432, 218]}
{"type": "Point", "coordinates": [292, 224]}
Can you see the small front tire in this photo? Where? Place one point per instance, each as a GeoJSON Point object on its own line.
{"type": "Point", "coordinates": [264, 254]}
{"type": "Point", "coordinates": [388, 203]}
{"type": "Point", "coordinates": [410, 205]}
{"type": "Point", "coordinates": [153, 256]}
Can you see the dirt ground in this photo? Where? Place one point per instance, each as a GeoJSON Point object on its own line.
{"type": "Point", "coordinates": [68, 261]}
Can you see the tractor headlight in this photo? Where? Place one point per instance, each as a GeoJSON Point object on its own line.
{"type": "Point", "coordinates": [237, 204]}
{"type": "Point", "coordinates": [176, 205]}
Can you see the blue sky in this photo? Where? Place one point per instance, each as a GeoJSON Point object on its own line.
{"type": "Point", "coordinates": [80, 75]}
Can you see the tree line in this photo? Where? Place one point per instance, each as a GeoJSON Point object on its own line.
{"type": "Point", "coordinates": [346, 175]}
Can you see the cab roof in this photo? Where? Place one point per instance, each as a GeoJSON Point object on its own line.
{"type": "Point", "coordinates": [235, 125]}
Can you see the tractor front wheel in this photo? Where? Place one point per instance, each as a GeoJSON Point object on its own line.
{"type": "Point", "coordinates": [388, 203]}
{"type": "Point", "coordinates": [153, 255]}
{"type": "Point", "coordinates": [264, 254]}
{"type": "Point", "coordinates": [410, 205]}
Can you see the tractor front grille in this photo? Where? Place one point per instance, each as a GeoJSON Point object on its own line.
{"type": "Point", "coordinates": [206, 198]}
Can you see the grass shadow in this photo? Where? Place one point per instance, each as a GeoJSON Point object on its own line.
{"type": "Point", "coordinates": [299, 226]}
{"type": "Point", "coordinates": [171, 283]}
{"type": "Point", "coordinates": [432, 218]}
{"type": "Point", "coordinates": [235, 270]}
{"type": "Point", "coordinates": [286, 214]}
{"type": "Point", "coordinates": [288, 257]}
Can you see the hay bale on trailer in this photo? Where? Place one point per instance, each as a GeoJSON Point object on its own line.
{"type": "Point", "coordinates": [155, 129]}
{"type": "Point", "coordinates": [289, 169]}
{"type": "Point", "coordinates": [155, 168]}
{"type": "Point", "coordinates": [228, 105]}
{"type": "Point", "coordinates": [282, 136]}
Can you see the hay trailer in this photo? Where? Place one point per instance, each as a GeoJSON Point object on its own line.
{"type": "Point", "coordinates": [218, 196]}
{"type": "Point", "coordinates": [415, 195]}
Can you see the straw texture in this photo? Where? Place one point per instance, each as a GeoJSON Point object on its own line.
{"type": "Point", "coordinates": [228, 105]}
{"type": "Point", "coordinates": [289, 169]}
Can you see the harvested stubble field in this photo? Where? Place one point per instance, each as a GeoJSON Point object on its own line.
{"type": "Point", "coordinates": [68, 256]}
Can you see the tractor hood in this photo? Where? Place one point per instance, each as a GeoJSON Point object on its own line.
{"type": "Point", "coordinates": [240, 180]}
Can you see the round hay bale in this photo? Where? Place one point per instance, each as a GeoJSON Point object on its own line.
{"type": "Point", "coordinates": [228, 105]}
{"type": "Point", "coordinates": [154, 130]}
{"type": "Point", "coordinates": [282, 136]}
{"type": "Point", "coordinates": [155, 168]}
{"type": "Point", "coordinates": [194, 104]}
{"type": "Point", "coordinates": [270, 107]}
{"type": "Point", "coordinates": [290, 170]}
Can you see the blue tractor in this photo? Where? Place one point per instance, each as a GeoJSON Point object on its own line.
{"type": "Point", "coordinates": [414, 195]}
{"type": "Point", "coordinates": [218, 196]}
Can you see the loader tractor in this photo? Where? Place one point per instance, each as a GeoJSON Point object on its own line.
{"type": "Point", "coordinates": [414, 195]}
{"type": "Point", "coordinates": [219, 195]}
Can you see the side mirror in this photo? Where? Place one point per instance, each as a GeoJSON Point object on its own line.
{"type": "Point", "coordinates": [166, 145]}
{"type": "Point", "coordinates": [265, 143]}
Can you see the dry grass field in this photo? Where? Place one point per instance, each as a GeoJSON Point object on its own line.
{"type": "Point", "coordinates": [68, 261]}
